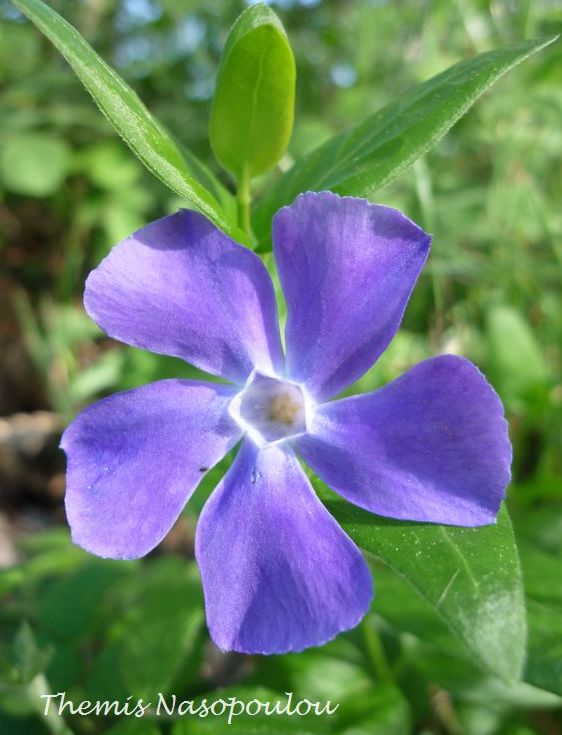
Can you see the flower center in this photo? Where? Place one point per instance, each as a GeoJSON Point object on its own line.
{"type": "Point", "coordinates": [285, 409]}
{"type": "Point", "coordinates": [270, 410]}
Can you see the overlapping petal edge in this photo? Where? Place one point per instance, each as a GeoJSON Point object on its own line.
{"type": "Point", "coordinates": [278, 573]}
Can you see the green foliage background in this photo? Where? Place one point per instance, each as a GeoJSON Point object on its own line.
{"type": "Point", "coordinates": [490, 193]}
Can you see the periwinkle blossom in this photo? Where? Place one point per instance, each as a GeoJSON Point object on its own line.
{"type": "Point", "coordinates": [278, 572]}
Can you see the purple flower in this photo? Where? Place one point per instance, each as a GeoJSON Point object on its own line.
{"type": "Point", "coordinates": [278, 572]}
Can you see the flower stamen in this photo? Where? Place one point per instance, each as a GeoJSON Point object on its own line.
{"type": "Point", "coordinates": [284, 408]}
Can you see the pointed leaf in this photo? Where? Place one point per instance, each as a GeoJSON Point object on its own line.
{"type": "Point", "coordinates": [470, 576]}
{"type": "Point", "coordinates": [143, 133]}
{"type": "Point", "coordinates": [361, 160]}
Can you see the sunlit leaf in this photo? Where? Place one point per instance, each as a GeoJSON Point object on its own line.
{"type": "Point", "coordinates": [253, 107]}
{"type": "Point", "coordinates": [447, 662]}
{"type": "Point", "coordinates": [470, 576]}
{"type": "Point", "coordinates": [142, 132]}
{"type": "Point", "coordinates": [364, 158]}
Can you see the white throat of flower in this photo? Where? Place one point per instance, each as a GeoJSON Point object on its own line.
{"type": "Point", "coordinates": [271, 409]}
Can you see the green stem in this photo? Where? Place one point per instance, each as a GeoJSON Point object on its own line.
{"type": "Point", "coordinates": [244, 202]}
{"type": "Point", "coordinates": [375, 651]}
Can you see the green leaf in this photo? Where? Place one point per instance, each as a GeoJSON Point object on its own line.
{"type": "Point", "coordinates": [342, 672]}
{"type": "Point", "coordinates": [34, 164]}
{"type": "Point", "coordinates": [22, 664]}
{"type": "Point", "coordinates": [68, 608]}
{"type": "Point", "coordinates": [541, 570]}
{"type": "Point", "coordinates": [51, 554]}
{"type": "Point", "coordinates": [337, 671]}
{"type": "Point", "coordinates": [145, 135]}
{"type": "Point", "coordinates": [28, 659]}
{"type": "Point", "coordinates": [464, 680]}
{"type": "Point", "coordinates": [517, 364]}
{"type": "Point", "coordinates": [155, 629]}
{"type": "Point", "coordinates": [544, 663]}
{"type": "Point", "coordinates": [381, 711]}
{"type": "Point", "coordinates": [253, 107]}
{"type": "Point", "coordinates": [446, 662]}
{"type": "Point", "coordinates": [361, 160]}
{"type": "Point", "coordinates": [470, 576]}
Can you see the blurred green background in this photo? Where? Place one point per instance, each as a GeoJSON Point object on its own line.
{"type": "Point", "coordinates": [490, 193]}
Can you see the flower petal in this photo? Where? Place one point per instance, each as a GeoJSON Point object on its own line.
{"type": "Point", "coordinates": [430, 446]}
{"type": "Point", "coordinates": [182, 287]}
{"type": "Point", "coordinates": [136, 457]}
{"type": "Point", "coordinates": [347, 268]}
{"type": "Point", "coordinates": [278, 572]}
